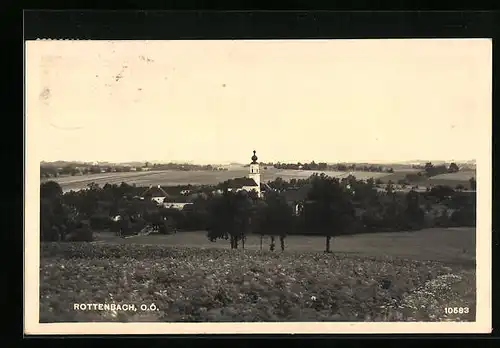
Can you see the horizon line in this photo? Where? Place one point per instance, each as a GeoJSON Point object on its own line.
{"type": "Point", "coordinates": [153, 161]}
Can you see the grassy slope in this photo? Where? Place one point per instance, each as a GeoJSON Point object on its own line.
{"type": "Point", "coordinates": [450, 245]}
{"type": "Point", "coordinates": [369, 277]}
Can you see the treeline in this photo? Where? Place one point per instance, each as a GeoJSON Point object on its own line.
{"type": "Point", "coordinates": [330, 207]}
{"type": "Point", "coordinates": [414, 179]}
{"type": "Point", "coordinates": [335, 207]}
{"type": "Point", "coordinates": [52, 171]}
{"type": "Point", "coordinates": [322, 166]}
{"type": "Point", "coordinates": [186, 167]}
{"type": "Point", "coordinates": [49, 171]}
{"type": "Point", "coordinates": [428, 170]}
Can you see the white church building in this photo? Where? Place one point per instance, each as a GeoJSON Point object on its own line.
{"type": "Point", "coordinates": [251, 182]}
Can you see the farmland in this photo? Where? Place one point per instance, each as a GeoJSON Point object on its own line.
{"type": "Point", "coordinates": [400, 276]}
{"type": "Point", "coordinates": [171, 177]}
{"type": "Point", "coordinates": [448, 179]}
{"type": "Point", "coordinates": [175, 177]}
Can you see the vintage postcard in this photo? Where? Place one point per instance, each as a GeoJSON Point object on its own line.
{"type": "Point", "coordinates": [260, 186]}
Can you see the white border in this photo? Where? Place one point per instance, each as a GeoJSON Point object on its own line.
{"type": "Point", "coordinates": [32, 253]}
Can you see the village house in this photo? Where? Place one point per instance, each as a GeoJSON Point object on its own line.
{"type": "Point", "coordinates": [176, 205]}
{"type": "Point", "coordinates": [157, 194]}
{"type": "Point", "coordinates": [297, 197]}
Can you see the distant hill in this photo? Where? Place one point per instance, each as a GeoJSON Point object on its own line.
{"type": "Point", "coordinates": [421, 161]}
{"type": "Point", "coordinates": [132, 164]}
{"type": "Point", "coordinates": [61, 163]}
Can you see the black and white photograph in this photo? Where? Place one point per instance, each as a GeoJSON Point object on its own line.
{"type": "Point", "coordinates": [258, 185]}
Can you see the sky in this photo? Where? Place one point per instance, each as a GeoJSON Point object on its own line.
{"type": "Point", "coordinates": [217, 101]}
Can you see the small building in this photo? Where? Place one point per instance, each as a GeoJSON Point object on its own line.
{"type": "Point", "coordinates": [265, 188]}
{"type": "Point", "coordinates": [176, 205]}
{"type": "Point", "coordinates": [157, 194]}
{"type": "Point", "coordinates": [297, 197]}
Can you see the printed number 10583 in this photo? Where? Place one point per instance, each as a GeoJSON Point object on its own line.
{"type": "Point", "coordinates": [456, 310]}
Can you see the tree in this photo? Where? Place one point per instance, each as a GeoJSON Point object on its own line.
{"type": "Point", "coordinates": [453, 168]}
{"type": "Point", "coordinates": [331, 212]}
{"type": "Point", "coordinates": [50, 190]}
{"type": "Point", "coordinates": [428, 166]}
{"type": "Point", "coordinates": [370, 183]}
{"type": "Point", "coordinates": [465, 215]}
{"type": "Point", "coordinates": [441, 192]}
{"type": "Point", "coordinates": [282, 242]}
{"type": "Point", "coordinates": [472, 183]}
{"type": "Point", "coordinates": [390, 187]}
{"type": "Point", "coordinates": [273, 244]}
{"type": "Point", "coordinates": [57, 218]}
{"type": "Point", "coordinates": [241, 217]}
{"type": "Point", "coordinates": [274, 218]}
{"type": "Point", "coordinates": [93, 186]}
{"type": "Point", "coordinates": [414, 215]}
{"type": "Point", "coordinates": [230, 217]}
{"type": "Point", "coordinates": [432, 170]}
{"type": "Point", "coordinates": [279, 184]}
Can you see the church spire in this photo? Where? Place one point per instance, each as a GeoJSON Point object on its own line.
{"type": "Point", "coordinates": [254, 157]}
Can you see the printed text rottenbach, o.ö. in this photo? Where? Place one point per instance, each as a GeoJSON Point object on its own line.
{"type": "Point", "coordinates": [126, 307]}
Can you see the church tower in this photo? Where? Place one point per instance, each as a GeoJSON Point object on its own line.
{"type": "Point", "coordinates": [255, 172]}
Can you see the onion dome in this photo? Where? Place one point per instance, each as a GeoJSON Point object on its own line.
{"type": "Point", "coordinates": [254, 157]}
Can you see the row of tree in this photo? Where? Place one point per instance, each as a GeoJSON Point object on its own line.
{"type": "Point", "coordinates": [429, 169]}
{"type": "Point", "coordinates": [52, 171]}
{"type": "Point", "coordinates": [322, 166]}
{"type": "Point", "coordinates": [49, 171]}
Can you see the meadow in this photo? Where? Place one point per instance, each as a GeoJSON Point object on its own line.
{"type": "Point", "coordinates": [399, 276]}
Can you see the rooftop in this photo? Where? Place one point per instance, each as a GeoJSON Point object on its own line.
{"type": "Point", "coordinates": [240, 182]}
{"type": "Point", "coordinates": [155, 191]}
{"type": "Point", "coordinates": [297, 194]}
